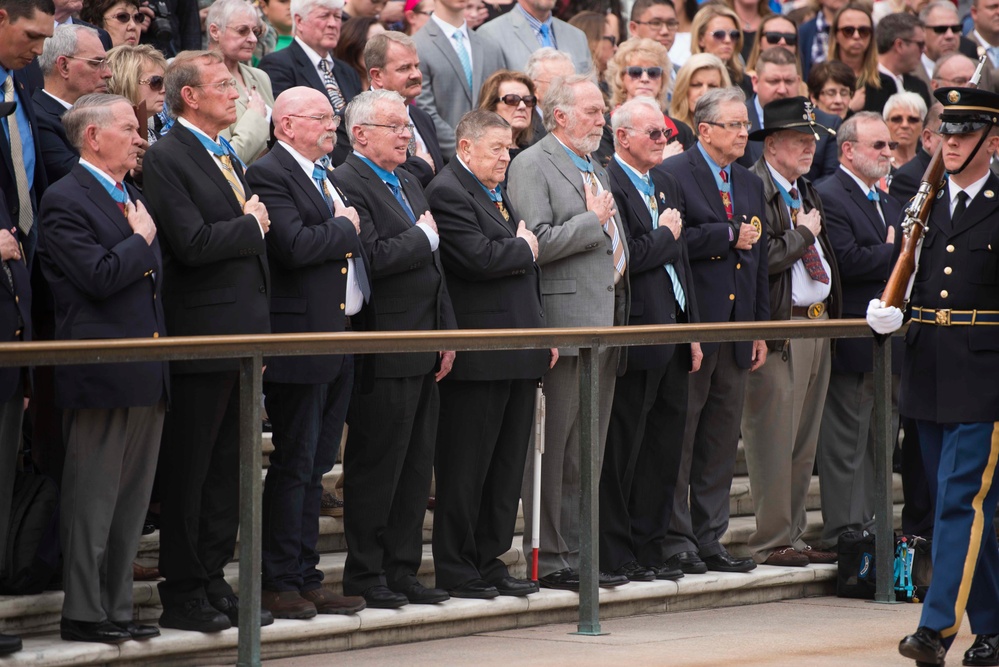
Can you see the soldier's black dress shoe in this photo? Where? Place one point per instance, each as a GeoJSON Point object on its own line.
{"type": "Point", "coordinates": [726, 562]}
{"type": "Point", "coordinates": [667, 571]}
{"type": "Point", "coordinates": [566, 579]}
{"type": "Point", "coordinates": [229, 605]}
{"type": "Point", "coordinates": [195, 615]}
{"type": "Point", "coordinates": [9, 644]}
{"type": "Point", "coordinates": [91, 631]}
{"type": "Point", "coordinates": [984, 652]}
{"type": "Point", "coordinates": [476, 589]}
{"type": "Point", "coordinates": [924, 646]}
{"type": "Point", "coordinates": [417, 593]}
{"type": "Point", "coordinates": [688, 562]}
{"type": "Point", "coordinates": [635, 572]}
{"type": "Point", "coordinates": [137, 631]}
{"type": "Point", "coordinates": [380, 597]}
{"type": "Point", "coordinates": [515, 587]}
{"type": "Point", "coordinates": [611, 579]}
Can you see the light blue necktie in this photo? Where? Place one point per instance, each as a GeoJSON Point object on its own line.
{"type": "Point", "coordinates": [319, 176]}
{"type": "Point", "coordinates": [993, 52]}
{"type": "Point", "coordinates": [873, 195]}
{"type": "Point", "coordinates": [397, 193]}
{"type": "Point", "coordinates": [648, 190]}
{"type": "Point", "coordinates": [466, 61]}
{"type": "Point", "coordinates": [545, 34]}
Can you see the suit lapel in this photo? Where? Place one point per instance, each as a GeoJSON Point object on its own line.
{"type": "Point", "coordinates": [636, 202]}
{"type": "Point", "coordinates": [471, 185]}
{"type": "Point", "coordinates": [865, 205]}
{"type": "Point", "coordinates": [523, 31]}
{"type": "Point", "coordinates": [306, 184]}
{"type": "Point", "coordinates": [305, 65]}
{"type": "Point", "coordinates": [979, 208]}
{"type": "Point", "coordinates": [383, 193]}
{"type": "Point", "coordinates": [102, 200]}
{"type": "Point", "coordinates": [560, 159]}
{"type": "Point", "coordinates": [706, 181]}
{"type": "Point", "coordinates": [443, 44]}
{"type": "Point", "coordinates": [200, 157]}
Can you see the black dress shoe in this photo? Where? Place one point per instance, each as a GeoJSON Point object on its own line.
{"type": "Point", "coordinates": [687, 561]}
{"type": "Point", "coordinates": [516, 587]}
{"type": "Point", "coordinates": [984, 652]}
{"type": "Point", "coordinates": [476, 589]}
{"type": "Point", "coordinates": [91, 631]}
{"type": "Point", "coordinates": [137, 631]}
{"type": "Point", "coordinates": [612, 580]}
{"type": "Point", "coordinates": [923, 646]}
{"type": "Point", "coordinates": [380, 597]}
{"type": "Point", "coordinates": [195, 615]}
{"type": "Point", "coordinates": [566, 579]}
{"type": "Point", "coordinates": [229, 605]}
{"type": "Point", "coordinates": [635, 572]}
{"type": "Point", "coordinates": [726, 562]}
{"type": "Point", "coordinates": [9, 644]}
{"type": "Point", "coordinates": [417, 593]}
{"type": "Point", "coordinates": [668, 571]}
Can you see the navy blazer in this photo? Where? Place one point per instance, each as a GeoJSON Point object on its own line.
{"type": "Point", "coordinates": [307, 250]}
{"type": "Point", "coordinates": [408, 291]}
{"type": "Point", "coordinates": [106, 282]}
{"type": "Point", "coordinates": [652, 297]}
{"type": "Point", "coordinates": [58, 154]}
{"type": "Point", "coordinates": [428, 132]}
{"type": "Point", "coordinates": [492, 278]}
{"type": "Point", "coordinates": [826, 158]}
{"type": "Point", "coordinates": [214, 256]}
{"type": "Point", "coordinates": [906, 179]}
{"type": "Point", "coordinates": [731, 284]}
{"type": "Point", "coordinates": [291, 67]}
{"type": "Point", "coordinates": [15, 315]}
{"type": "Point", "coordinates": [806, 38]}
{"type": "Point", "coordinates": [7, 182]}
{"type": "Point", "coordinates": [858, 240]}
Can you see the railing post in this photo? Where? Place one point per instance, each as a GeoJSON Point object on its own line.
{"type": "Point", "coordinates": [250, 501]}
{"type": "Point", "coordinates": [589, 479]}
{"type": "Point", "coordinates": [884, 512]}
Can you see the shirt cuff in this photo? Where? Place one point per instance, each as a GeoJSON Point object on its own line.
{"type": "Point", "coordinates": [262, 232]}
{"type": "Point", "coordinates": [529, 246]}
{"type": "Point", "coordinates": [431, 235]}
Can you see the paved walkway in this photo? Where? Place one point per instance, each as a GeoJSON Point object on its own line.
{"type": "Point", "coordinates": [812, 632]}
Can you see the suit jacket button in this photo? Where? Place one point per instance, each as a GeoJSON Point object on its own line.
{"type": "Point", "coordinates": [731, 297]}
{"type": "Point", "coordinates": [948, 270]}
{"type": "Point", "coordinates": [343, 306]}
{"type": "Point", "coordinates": [156, 334]}
{"type": "Point", "coordinates": [944, 294]}
{"type": "Point", "coordinates": [263, 289]}
{"type": "Point", "coordinates": [610, 288]}
{"type": "Point", "coordinates": [343, 270]}
{"type": "Point", "coordinates": [738, 265]}
{"type": "Point", "coordinates": [349, 255]}
{"type": "Point", "coordinates": [17, 299]}
{"type": "Point", "coordinates": [950, 248]}
{"type": "Point", "coordinates": [672, 316]}
{"type": "Point", "coordinates": [610, 252]}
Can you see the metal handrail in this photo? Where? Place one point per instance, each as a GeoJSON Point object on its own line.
{"type": "Point", "coordinates": [251, 350]}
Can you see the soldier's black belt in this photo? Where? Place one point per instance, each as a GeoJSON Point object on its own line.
{"type": "Point", "coordinates": [944, 317]}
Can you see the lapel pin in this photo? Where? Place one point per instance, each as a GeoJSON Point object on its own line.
{"type": "Point", "coordinates": [662, 197]}
{"type": "Point", "coordinates": [989, 194]}
{"type": "Point", "coordinates": [940, 193]}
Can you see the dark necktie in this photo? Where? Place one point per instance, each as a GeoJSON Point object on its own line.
{"type": "Point", "coordinates": [813, 263]}
{"type": "Point", "coordinates": [332, 87]}
{"type": "Point", "coordinates": [962, 204]}
{"type": "Point", "coordinates": [726, 197]}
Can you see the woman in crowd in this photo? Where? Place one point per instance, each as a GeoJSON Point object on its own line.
{"type": "Point", "coordinates": [716, 30]}
{"type": "Point", "coordinates": [697, 76]}
{"type": "Point", "coordinates": [602, 42]}
{"type": "Point", "coordinates": [233, 27]}
{"type": "Point", "coordinates": [751, 14]}
{"type": "Point", "coordinates": [353, 36]}
{"type": "Point", "coordinates": [852, 42]}
{"type": "Point", "coordinates": [511, 95]}
{"type": "Point", "coordinates": [774, 30]}
{"type": "Point", "coordinates": [904, 113]}
{"type": "Point", "coordinates": [137, 74]}
{"type": "Point", "coordinates": [417, 13]}
{"type": "Point", "coordinates": [831, 86]}
{"type": "Point", "coordinates": [121, 18]}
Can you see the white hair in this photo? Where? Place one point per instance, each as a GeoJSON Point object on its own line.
{"type": "Point", "coordinates": [362, 109]}
{"type": "Point", "coordinates": [303, 7]}
{"type": "Point", "coordinates": [624, 115]}
{"type": "Point", "coordinates": [906, 100]}
{"type": "Point", "coordinates": [545, 54]}
{"type": "Point", "coordinates": [222, 12]}
{"type": "Point", "coordinates": [63, 42]}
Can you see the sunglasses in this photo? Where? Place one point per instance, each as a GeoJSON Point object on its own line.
{"type": "Point", "coordinates": [942, 29]}
{"type": "Point", "coordinates": [790, 38]}
{"type": "Point", "coordinates": [880, 145]}
{"type": "Point", "coordinates": [637, 72]}
{"type": "Point", "coordinates": [124, 17]}
{"type": "Point", "coordinates": [515, 100]}
{"type": "Point", "coordinates": [913, 120]}
{"type": "Point", "coordinates": [155, 83]}
{"type": "Point", "coordinates": [720, 35]}
{"type": "Point", "coordinates": [654, 135]}
{"type": "Point", "coordinates": [864, 31]}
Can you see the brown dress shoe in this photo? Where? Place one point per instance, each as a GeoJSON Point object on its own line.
{"type": "Point", "coordinates": [787, 557]}
{"type": "Point", "coordinates": [330, 603]}
{"type": "Point", "coordinates": [287, 604]}
{"type": "Point", "coordinates": [331, 505]}
{"type": "Point", "coordinates": [142, 573]}
{"type": "Point", "coordinates": [816, 556]}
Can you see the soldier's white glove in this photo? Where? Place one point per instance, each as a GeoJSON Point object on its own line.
{"type": "Point", "coordinates": [883, 320]}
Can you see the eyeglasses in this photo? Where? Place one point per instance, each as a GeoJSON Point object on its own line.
{"type": "Point", "coordinates": [394, 129]}
{"type": "Point", "coordinates": [734, 125]}
{"type": "Point", "coordinates": [720, 35]}
{"type": "Point", "coordinates": [515, 100]}
{"type": "Point", "coordinates": [96, 63]}
{"type": "Point", "coordinates": [913, 120]}
{"type": "Point", "coordinates": [324, 119]}
{"type": "Point", "coordinates": [124, 17]}
{"type": "Point", "coordinates": [672, 24]}
{"type": "Point", "coordinates": [921, 45]}
{"type": "Point", "coordinates": [836, 92]}
{"type": "Point", "coordinates": [790, 38]}
{"type": "Point", "coordinates": [611, 38]}
{"type": "Point", "coordinates": [863, 31]}
{"type": "Point", "coordinates": [155, 83]}
{"type": "Point", "coordinates": [637, 72]}
{"type": "Point", "coordinates": [245, 30]}
{"type": "Point", "coordinates": [881, 145]}
{"type": "Point", "coordinates": [959, 81]}
{"type": "Point", "coordinates": [654, 135]}
{"type": "Point", "coordinates": [942, 29]}
{"type": "Point", "coordinates": [220, 86]}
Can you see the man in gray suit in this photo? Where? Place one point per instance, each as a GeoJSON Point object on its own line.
{"type": "Point", "coordinates": [529, 26]}
{"type": "Point", "coordinates": [447, 46]}
{"type": "Point", "coordinates": [583, 252]}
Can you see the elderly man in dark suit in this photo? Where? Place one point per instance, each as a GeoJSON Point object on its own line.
{"type": "Point", "coordinates": [394, 64]}
{"type": "Point", "coordinates": [723, 209]}
{"type": "Point", "coordinates": [308, 61]}
{"type": "Point", "coordinates": [388, 460]}
{"type": "Point", "coordinates": [315, 257]}
{"type": "Point", "coordinates": [862, 224]}
{"type": "Point", "coordinates": [645, 439]}
{"type": "Point", "coordinates": [494, 282]}
{"type": "Point", "coordinates": [100, 255]}
{"type": "Point", "coordinates": [73, 64]}
{"type": "Point", "coordinates": [216, 282]}
{"type": "Point", "coordinates": [583, 252]}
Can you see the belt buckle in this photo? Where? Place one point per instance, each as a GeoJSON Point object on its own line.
{"type": "Point", "coordinates": [815, 310]}
{"type": "Point", "coordinates": [942, 317]}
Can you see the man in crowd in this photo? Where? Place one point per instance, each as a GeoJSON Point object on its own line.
{"type": "Point", "coordinates": [390, 453]}
{"type": "Point", "coordinates": [953, 69]}
{"type": "Point", "coordinates": [73, 64]}
{"type": "Point", "coordinates": [308, 61]}
{"type": "Point", "coordinates": [454, 61]}
{"type": "Point", "coordinates": [654, 19]}
{"type": "Point", "coordinates": [942, 29]}
{"type": "Point", "coordinates": [583, 252]}
{"type": "Point", "coordinates": [900, 40]}
{"type": "Point", "coordinates": [530, 26]}
{"type": "Point", "coordinates": [784, 398]}
{"type": "Point", "coordinates": [362, 9]}
{"type": "Point", "coordinates": [862, 224]}
{"type": "Point", "coordinates": [216, 281]}
{"type": "Point", "coordinates": [723, 209]}
{"type": "Point", "coordinates": [814, 35]}
{"type": "Point", "coordinates": [101, 259]}
{"type": "Point", "coordinates": [394, 64]}
{"type": "Point", "coordinates": [489, 258]}
{"type": "Point", "coordinates": [314, 255]}
{"type": "Point", "coordinates": [649, 411]}
{"type": "Point", "coordinates": [543, 67]}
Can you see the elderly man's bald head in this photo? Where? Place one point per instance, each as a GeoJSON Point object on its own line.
{"type": "Point", "coordinates": [304, 119]}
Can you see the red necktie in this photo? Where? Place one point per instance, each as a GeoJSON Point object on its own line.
{"type": "Point", "coordinates": [813, 263]}
{"type": "Point", "coordinates": [725, 196]}
{"type": "Point", "coordinates": [121, 205]}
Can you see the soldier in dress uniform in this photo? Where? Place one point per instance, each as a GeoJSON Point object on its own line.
{"type": "Point", "coordinates": [949, 381]}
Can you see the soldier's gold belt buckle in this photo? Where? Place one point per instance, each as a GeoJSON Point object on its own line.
{"type": "Point", "coordinates": [943, 317]}
{"type": "Point", "coordinates": [816, 310]}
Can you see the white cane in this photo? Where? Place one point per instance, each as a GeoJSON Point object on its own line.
{"type": "Point", "coordinates": [539, 449]}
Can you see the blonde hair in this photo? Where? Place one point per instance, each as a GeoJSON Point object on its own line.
{"type": "Point", "coordinates": [699, 28]}
{"type": "Point", "coordinates": [679, 109]}
{"type": "Point", "coordinates": [126, 63]}
{"type": "Point", "coordinates": [754, 53]}
{"type": "Point", "coordinates": [869, 72]}
{"type": "Point", "coordinates": [637, 49]}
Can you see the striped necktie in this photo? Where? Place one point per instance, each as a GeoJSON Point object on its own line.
{"type": "Point", "coordinates": [332, 87]}
{"type": "Point", "coordinates": [230, 175]}
{"type": "Point", "coordinates": [811, 259]}
{"type": "Point", "coordinates": [25, 215]}
{"type": "Point", "coordinates": [726, 194]}
{"type": "Point", "coordinates": [466, 61]}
